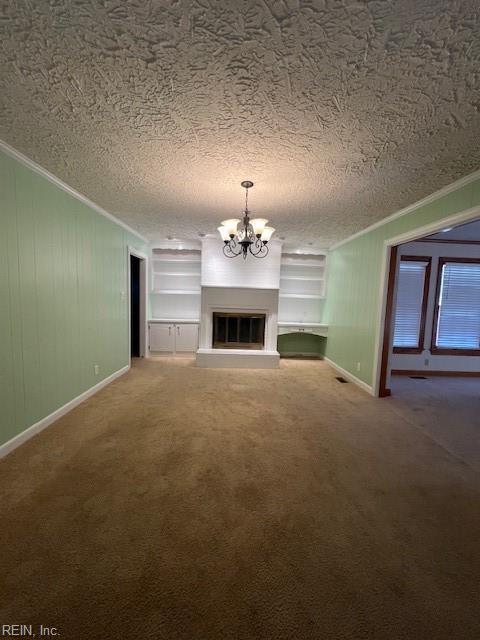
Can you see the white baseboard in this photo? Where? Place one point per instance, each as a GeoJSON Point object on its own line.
{"type": "Point", "coordinates": [349, 376]}
{"type": "Point", "coordinates": [29, 432]}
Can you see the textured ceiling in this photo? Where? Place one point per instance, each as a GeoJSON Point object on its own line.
{"type": "Point", "coordinates": [341, 112]}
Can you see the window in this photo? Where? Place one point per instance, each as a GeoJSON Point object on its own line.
{"type": "Point", "coordinates": [411, 308]}
{"type": "Point", "coordinates": [456, 328]}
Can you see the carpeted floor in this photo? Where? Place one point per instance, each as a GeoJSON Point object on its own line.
{"type": "Point", "coordinates": [198, 504]}
{"type": "Point", "coordinates": [447, 409]}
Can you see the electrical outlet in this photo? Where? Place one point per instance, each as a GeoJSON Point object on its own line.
{"type": "Point", "coordinates": [96, 369]}
{"type": "Point", "coordinates": [358, 366]}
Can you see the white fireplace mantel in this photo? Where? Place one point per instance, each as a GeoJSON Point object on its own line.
{"type": "Point", "coordinates": [243, 286]}
{"type": "Point", "coordinates": [241, 299]}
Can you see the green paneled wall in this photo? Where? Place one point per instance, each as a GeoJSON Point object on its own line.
{"type": "Point", "coordinates": [354, 281]}
{"type": "Point", "coordinates": [63, 268]}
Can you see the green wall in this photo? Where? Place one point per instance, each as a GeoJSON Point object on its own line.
{"type": "Point", "coordinates": [62, 274]}
{"type": "Point", "coordinates": [290, 343]}
{"type": "Point", "coordinates": [354, 280]}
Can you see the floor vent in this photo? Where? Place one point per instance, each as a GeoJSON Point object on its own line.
{"type": "Point", "coordinates": [418, 377]}
{"type": "Point", "coordinates": [340, 379]}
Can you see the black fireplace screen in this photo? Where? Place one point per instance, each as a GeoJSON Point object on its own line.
{"type": "Point", "coordinates": [238, 330]}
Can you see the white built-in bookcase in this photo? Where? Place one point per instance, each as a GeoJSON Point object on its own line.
{"type": "Point", "coordinates": [175, 284]}
{"type": "Point", "coordinates": [176, 276]}
{"type": "Point", "coordinates": [302, 288]}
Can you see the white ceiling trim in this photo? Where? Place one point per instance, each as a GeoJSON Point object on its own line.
{"type": "Point", "coordinates": [411, 207]}
{"type": "Point", "coordinates": [16, 155]}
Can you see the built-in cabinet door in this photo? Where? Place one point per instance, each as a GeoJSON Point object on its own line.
{"type": "Point", "coordinates": [186, 337]}
{"type": "Point", "coordinates": [162, 337]}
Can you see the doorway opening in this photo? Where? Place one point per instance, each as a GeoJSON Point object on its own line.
{"type": "Point", "coordinates": [134, 306]}
{"type": "Point", "coordinates": [432, 309]}
{"type": "Point", "coordinates": [137, 300]}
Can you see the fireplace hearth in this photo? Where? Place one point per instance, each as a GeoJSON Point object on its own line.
{"type": "Point", "coordinates": [238, 330]}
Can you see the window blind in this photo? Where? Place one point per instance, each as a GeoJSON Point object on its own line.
{"type": "Point", "coordinates": [408, 312]}
{"type": "Point", "coordinates": [458, 325]}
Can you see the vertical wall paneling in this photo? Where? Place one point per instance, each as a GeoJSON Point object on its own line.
{"type": "Point", "coordinates": [11, 379]}
{"type": "Point", "coordinates": [63, 270]}
{"type": "Point", "coordinates": [354, 281]}
{"type": "Point", "coordinates": [28, 295]}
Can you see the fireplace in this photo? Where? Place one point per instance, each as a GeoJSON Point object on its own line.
{"type": "Point", "coordinates": [238, 330]}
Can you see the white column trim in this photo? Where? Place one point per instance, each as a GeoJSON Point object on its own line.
{"type": "Point", "coordinates": [462, 217]}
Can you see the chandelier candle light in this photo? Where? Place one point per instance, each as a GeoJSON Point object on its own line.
{"type": "Point", "coordinates": [252, 236]}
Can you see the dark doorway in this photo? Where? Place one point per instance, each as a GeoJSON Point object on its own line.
{"type": "Point", "coordinates": [134, 306]}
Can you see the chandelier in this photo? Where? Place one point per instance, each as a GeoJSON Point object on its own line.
{"type": "Point", "coordinates": [251, 237]}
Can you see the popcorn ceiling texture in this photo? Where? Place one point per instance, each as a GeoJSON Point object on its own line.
{"type": "Point", "coordinates": [340, 112]}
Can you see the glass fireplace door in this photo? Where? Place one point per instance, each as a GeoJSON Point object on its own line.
{"type": "Point", "coordinates": [238, 330]}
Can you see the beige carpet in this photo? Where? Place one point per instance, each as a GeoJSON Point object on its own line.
{"type": "Point", "coordinates": [196, 504]}
{"type": "Point", "coordinates": [447, 409]}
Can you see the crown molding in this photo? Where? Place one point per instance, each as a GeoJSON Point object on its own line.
{"type": "Point", "coordinates": [17, 155]}
{"type": "Point", "coordinates": [458, 184]}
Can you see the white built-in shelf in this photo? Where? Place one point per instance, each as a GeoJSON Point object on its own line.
{"type": "Point", "coordinates": [315, 328]}
{"type": "Point", "coordinates": [171, 257]}
{"type": "Point", "coordinates": [302, 324]}
{"type": "Point", "coordinates": [174, 320]}
{"type": "Point", "coordinates": [299, 263]}
{"type": "Point", "coordinates": [303, 259]}
{"type": "Point", "coordinates": [175, 283]}
{"type": "Point", "coordinates": [175, 273]}
{"type": "Point", "coordinates": [169, 266]}
{"type": "Point", "coordinates": [302, 289]}
{"type": "Point", "coordinates": [305, 296]}
{"type": "Point", "coordinates": [301, 278]}
{"type": "Point", "coordinates": [178, 292]}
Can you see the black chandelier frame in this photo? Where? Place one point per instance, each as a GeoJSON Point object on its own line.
{"type": "Point", "coordinates": [245, 242]}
